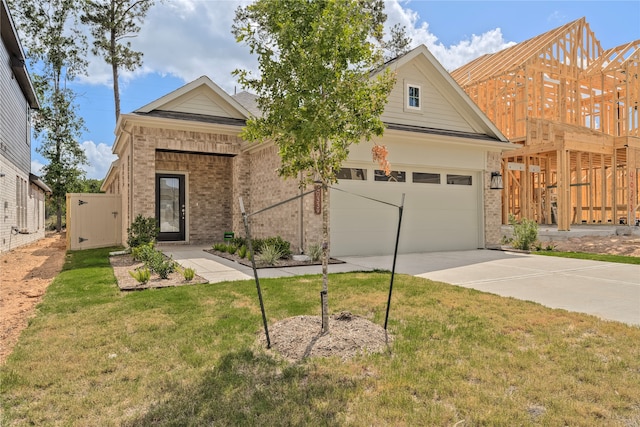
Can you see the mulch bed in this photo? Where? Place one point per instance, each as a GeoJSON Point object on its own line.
{"type": "Point", "coordinates": [300, 337]}
{"type": "Point", "coordinates": [123, 264]}
{"type": "Point", "coordinates": [281, 263]}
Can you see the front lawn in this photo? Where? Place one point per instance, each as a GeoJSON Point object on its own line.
{"type": "Point", "coordinates": [188, 356]}
{"type": "Point", "coordinates": [623, 259]}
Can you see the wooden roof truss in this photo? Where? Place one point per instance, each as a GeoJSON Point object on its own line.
{"type": "Point", "coordinates": [573, 108]}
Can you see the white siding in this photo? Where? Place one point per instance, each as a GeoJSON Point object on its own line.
{"type": "Point", "coordinates": [14, 129]}
{"type": "Point", "coordinates": [34, 229]}
{"type": "Point", "coordinates": [202, 101]}
{"type": "Point", "coordinates": [435, 112]}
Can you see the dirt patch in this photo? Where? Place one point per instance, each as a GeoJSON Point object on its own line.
{"type": "Point", "coordinates": [614, 245]}
{"type": "Point", "coordinates": [285, 262]}
{"type": "Point", "coordinates": [26, 272]}
{"type": "Point", "coordinates": [123, 264]}
{"type": "Point", "coordinates": [299, 337]}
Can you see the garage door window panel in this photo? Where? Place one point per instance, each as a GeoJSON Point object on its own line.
{"type": "Point", "coordinates": [394, 176]}
{"type": "Point", "coordinates": [426, 178]}
{"type": "Point", "coordinates": [356, 174]}
{"type": "Point", "coordinates": [459, 179]}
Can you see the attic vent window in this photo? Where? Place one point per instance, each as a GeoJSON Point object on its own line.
{"type": "Point", "coordinates": [413, 97]}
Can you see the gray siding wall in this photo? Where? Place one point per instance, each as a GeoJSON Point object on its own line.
{"type": "Point", "coordinates": [15, 143]}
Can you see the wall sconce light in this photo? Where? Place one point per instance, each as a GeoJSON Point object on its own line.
{"type": "Point", "coordinates": [496, 181]}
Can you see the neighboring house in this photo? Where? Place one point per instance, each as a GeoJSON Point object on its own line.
{"type": "Point", "coordinates": [181, 160]}
{"type": "Point", "coordinates": [22, 194]}
{"type": "Point", "coordinates": [571, 107]}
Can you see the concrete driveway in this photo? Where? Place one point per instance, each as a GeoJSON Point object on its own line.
{"type": "Point", "coordinates": [607, 290]}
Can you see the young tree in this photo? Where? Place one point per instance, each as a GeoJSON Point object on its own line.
{"type": "Point", "coordinates": [315, 87]}
{"type": "Point", "coordinates": [110, 23]}
{"type": "Point", "coordinates": [57, 49]}
{"type": "Point", "coordinates": [398, 44]}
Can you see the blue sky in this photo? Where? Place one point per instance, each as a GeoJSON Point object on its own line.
{"type": "Point", "coordinates": [185, 39]}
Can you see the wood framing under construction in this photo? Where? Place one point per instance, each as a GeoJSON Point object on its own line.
{"type": "Point", "coordinates": [572, 107]}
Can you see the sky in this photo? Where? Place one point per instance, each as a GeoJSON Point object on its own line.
{"type": "Point", "coordinates": [185, 39]}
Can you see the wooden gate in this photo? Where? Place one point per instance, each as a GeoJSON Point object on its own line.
{"type": "Point", "coordinates": [93, 220]}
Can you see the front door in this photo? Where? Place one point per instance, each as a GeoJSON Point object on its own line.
{"type": "Point", "coordinates": [170, 206]}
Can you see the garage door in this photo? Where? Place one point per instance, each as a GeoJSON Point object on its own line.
{"type": "Point", "coordinates": [441, 211]}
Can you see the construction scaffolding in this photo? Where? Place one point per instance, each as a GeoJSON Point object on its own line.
{"type": "Point", "coordinates": [572, 107]}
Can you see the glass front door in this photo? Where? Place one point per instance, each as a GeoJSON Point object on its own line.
{"type": "Point", "coordinates": [170, 207]}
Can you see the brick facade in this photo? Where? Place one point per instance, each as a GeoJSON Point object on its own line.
{"type": "Point", "coordinates": [294, 221]}
{"type": "Point", "coordinates": [492, 202]}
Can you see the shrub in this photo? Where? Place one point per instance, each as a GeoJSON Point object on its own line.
{"type": "Point", "coordinates": [188, 273]}
{"type": "Point", "coordinates": [231, 249]}
{"type": "Point", "coordinates": [238, 241]}
{"type": "Point", "coordinates": [142, 275]}
{"type": "Point", "coordinates": [220, 247]}
{"type": "Point", "coordinates": [525, 232]}
{"type": "Point", "coordinates": [282, 245]}
{"type": "Point", "coordinates": [242, 251]}
{"type": "Point", "coordinates": [270, 255]}
{"type": "Point", "coordinates": [143, 253]}
{"type": "Point", "coordinates": [143, 230]}
{"type": "Point", "coordinates": [161, 265]}
{"type": "Point", "coordinates": [315, 252]}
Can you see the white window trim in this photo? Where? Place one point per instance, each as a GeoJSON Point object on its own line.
{"type": "Point", "coordinates": [407, 105]}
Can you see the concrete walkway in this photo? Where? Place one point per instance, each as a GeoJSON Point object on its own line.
{"type": "Point", "coordinates": [608, 290]}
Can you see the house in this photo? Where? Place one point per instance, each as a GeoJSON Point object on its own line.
{"type": "Point", "coordinates": [571, 107]}
{"type": "Point", "coordinates": [182, 161]}
{"type": "Point", "coordinates": [22, 194]}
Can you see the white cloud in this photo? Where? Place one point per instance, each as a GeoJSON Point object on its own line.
{"type": "Point", "coordinates": [191, 38]}
{"type": "Point", "coordinates": [99, 158]}
{"type": "Point", "coordinates": [451, 57]}
{"type": "Point", "coordinates": [36, 167]}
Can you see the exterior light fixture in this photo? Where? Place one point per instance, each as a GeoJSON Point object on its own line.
{"type": "Point", "coordinates": [496, 181]}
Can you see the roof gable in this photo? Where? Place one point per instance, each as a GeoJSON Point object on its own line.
{"type": "Point", "coordinates": [445, 106]}
{"type": "Point", "coordinates": [200, 97]}
{"type": "Point", "coordinates": [557, 46]}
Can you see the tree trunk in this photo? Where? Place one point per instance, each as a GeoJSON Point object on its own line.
{"type": "Point", "coordinates": [325, 258]}
{"type": "Point", "coordinates": [114, 72]}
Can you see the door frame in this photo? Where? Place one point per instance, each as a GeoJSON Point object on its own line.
{"type": "Point", "coordinates": [182, 201]}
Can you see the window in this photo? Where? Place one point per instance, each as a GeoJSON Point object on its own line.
{"type": "Point", "coordinates": [459, 179]}
{"type": "Point", "coordinates": [426, 178]}
{"type": "Point", "coordinates": [353, 173]}
{"type": "Point", "coordinates": [395, 176]}
{"type": "Point", "coordinates": [413, 97]}
{"type": "Point", "coordinates": [21, 203]}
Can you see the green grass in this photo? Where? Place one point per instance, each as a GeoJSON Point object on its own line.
{"type": "Point", "coordinates": [189, 356]}
{"type": "Point", "coordinates": [623, 259]}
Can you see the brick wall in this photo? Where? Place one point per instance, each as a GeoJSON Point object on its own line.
{"type": "Point", "coordinates": [261, 186]}
{"type": "Point", "coordinates": [492, 203]}
{"type": "Point", "coordinates": [205, 160]}
{"type": "Point", "coordinates": [209, 196]}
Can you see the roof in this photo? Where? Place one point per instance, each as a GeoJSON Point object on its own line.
{"type": "Point", "coordinates": [34, 179]}
{"type": "Point", "coordinates": [511, 58]}
{"type": "Point", "coordinates": [451, 89]}
{"type": "Point", "coordinates": [14, 47]}
{"type": "Point", "coordinates": [200, 81]}
{"type": "Point", "coordinates": [249, 101]}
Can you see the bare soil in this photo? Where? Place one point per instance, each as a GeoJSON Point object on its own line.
{"type": "Point", "coordinates": [123, 264]}
{"type": "Point", "coordinates": [613, 245]}
{"type": "Point", "coordinates": [26, 272]}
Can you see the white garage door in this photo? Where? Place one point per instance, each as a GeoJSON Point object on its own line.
{"type": "Point", "coordinates": [441, 211]}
